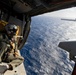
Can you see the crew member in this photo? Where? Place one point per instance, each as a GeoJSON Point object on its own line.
{"type": "Point", "coordinates": [8, 53]}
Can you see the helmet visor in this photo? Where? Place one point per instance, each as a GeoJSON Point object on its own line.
{"type": "Point", "coordinates": [12, 31]}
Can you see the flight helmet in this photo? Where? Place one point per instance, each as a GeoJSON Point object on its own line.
{"type": "Point", "coordinates": [11, 29]}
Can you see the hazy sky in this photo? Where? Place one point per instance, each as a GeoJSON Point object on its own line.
{"type": "Point", "coordinates": [66, 13]}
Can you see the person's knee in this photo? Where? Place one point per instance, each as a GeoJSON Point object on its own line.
{"type": "Point", "coordinates": [21, 59]}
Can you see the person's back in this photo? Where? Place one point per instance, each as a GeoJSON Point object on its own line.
{"type": "Point", "coordinates": [4, 40]}
{"type": "Point", "coordinates": [4, 37]}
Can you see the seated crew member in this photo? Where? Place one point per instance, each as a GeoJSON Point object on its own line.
{"type": "Point", "coordinates": [8, 53]}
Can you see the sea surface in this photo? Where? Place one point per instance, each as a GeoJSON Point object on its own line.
{"type": "Point", "coordinates": [41, 52]}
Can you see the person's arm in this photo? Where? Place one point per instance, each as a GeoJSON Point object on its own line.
{"type": "Point", "coordinates": [12, 45]}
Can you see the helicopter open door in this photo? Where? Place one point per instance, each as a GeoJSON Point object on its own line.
{"type": "Point", "coordinates": [24, 29]}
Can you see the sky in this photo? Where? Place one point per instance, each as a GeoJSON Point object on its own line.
{"type": "Point", "coordinates": [65, 13]}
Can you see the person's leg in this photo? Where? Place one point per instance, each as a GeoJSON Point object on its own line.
{"type": "Point", "coordinates": [13, 60]}
{"type": "Point", "coordinates": [16, 62]}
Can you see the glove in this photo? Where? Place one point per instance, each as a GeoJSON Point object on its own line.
{"type": "Point", "coordinates": [16, 54]}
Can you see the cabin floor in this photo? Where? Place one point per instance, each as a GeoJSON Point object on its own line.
{"type": "Point", "coordinates": [20, 70]}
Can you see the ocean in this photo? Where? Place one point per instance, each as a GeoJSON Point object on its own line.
{"type": "Point", "coordinates": [41, 52]}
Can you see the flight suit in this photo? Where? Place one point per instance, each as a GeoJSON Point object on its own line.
{"type": "Point", "coordinates": [7, 54]}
